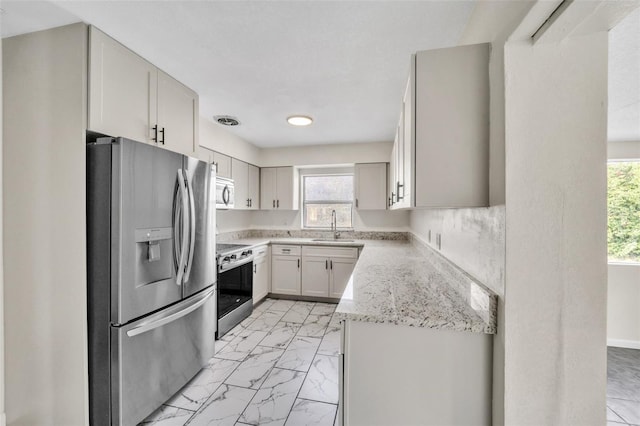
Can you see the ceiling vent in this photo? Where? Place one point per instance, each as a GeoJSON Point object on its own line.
{"type": "Point", "coordinates": [226, 120]}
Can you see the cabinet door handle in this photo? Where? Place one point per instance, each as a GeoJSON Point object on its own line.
{"type": "Point", "coordinates": [298, 263]}
{"type": "Point", "coordinates": [248, 205]}
{"type": "Point", "coordinates": [250, 202]}
{"type": "Point", "coordinates": [255, 270]}
{"type": "Point", "coordinates": [326, 264]}
{"type": "Point", "coordinates": [163, 136]}
{"type": "Point", "coordinates": [331, 265]}
{"type": "Point", "coordinates": [274, 204]}
{"type": "Point", "coordinates": [356, 203]}
{"type": "Point", "coordinates": [155, 134]}
{"type": "Point", "coordinates": [278, 203]}
{"type": "Point", "coordinates": [398, 197]}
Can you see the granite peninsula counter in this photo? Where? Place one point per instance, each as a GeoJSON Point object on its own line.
{"type": "Point", "coordinates": [397, 282]}
{"type": "Point", "coordinates": [407, 283]}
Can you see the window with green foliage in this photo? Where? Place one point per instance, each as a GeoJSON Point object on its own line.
{"type": "Point", "coordinates": [322, 195]}
{"type": "Point", "coordinates": [623, 202]}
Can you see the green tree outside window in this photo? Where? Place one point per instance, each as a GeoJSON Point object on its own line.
{"type": "Point", "coordinates": [623, 233]}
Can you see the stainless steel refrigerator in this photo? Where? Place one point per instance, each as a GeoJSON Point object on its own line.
{"type": "Point", "coordinates": [151, 276]}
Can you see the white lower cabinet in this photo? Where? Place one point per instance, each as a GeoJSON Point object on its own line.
{"type": "Point", "coordinates": [261, 273]}
{"type": "Point", "coordinates": [423, 376]}
{"type": "Point", "coordinates": [341, 269]}
{"type": "Point", "coordinates": [315, 276]}
{"type": "Point", "coordinates": [285, 269]}
{"type": "Point", "coordinates": [326, 270]}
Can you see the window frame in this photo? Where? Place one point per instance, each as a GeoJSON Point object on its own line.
{"type": "Point", "coordinates": [304, 201]}
{"type": "Point", "coordinates": [612, 161]}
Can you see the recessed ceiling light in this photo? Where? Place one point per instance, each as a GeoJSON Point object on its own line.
{"type": "Point", "coordinates": [226, 120]}
{"type": "Point", "coordinates": [299, 120]}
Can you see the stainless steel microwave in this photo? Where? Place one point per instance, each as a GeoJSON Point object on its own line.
{"type": "Point", "coordinates": [224, 193]}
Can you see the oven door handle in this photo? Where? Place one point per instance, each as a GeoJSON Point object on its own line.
{"type": "Point", "coordinates": [240, 262]}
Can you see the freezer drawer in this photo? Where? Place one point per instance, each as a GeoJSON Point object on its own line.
{"type": "Point", "coordinates": [154, 357]}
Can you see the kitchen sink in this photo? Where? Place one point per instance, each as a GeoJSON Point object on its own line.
{"type": "Point", "coordinates": [333, 239]}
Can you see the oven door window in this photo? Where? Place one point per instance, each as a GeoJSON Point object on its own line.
{"type": "Point", "coordinates": [235, 287]}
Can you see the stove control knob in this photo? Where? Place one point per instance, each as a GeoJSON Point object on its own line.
{"type": "Point", "coordinates": [249, 252]}
{"type": "Point", "coordinates": [226, 259]}
{"type": "Point", "coordinates": [233, 257]}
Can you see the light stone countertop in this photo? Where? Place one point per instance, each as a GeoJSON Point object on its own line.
{"type": "Point", "coordinates": [407, 283]}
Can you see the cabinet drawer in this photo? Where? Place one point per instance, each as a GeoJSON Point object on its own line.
{"type": "Point", "coordinates": [346, 252]}
{"type": "Point", "coordinates": [260, 251]}
{"type": "Point", "coordinates": [285, 250]}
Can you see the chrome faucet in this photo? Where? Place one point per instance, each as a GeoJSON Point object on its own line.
{"type": "Point", "coordinates": [334, 224]}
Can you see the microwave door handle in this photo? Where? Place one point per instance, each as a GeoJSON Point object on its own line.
{"type": "Point", "coordinates": [192, 227]}
{"type": "Point", "coordinates": [185, 224]}
{"type": "Point", "coordinates": [143, 328]}
{"type": "Point", "coordinates": [225, 195]}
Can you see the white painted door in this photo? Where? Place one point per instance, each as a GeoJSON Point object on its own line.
{"type": "Point", "coordinates": [177, 115]}
{"type": "Point", "coordinates": [315, 276]}
{"type": "Point", "coordinates": [254, 187]}
{"type": "Point", "coordinates": [268, 188]}
{"type": "Point", "coordinates": [284, 189]}
{"type": "Point", "coordinates": [240, 176]}
{"type": "Point", "coordinates": [223, 165]}
{"type": "Point", "coordinates": [285, 275]}
{"type": "Point", "coordinates": [371, 186]}
{"type": "Point", "coordinates": [340, 270]}
{"type": "Point", "coordinates": [122, 90]}
{"type": "Point", "coordinates": [260, 278]}
{"type": "Point", "coordinates": [393, 171]}
{"type": "Point", "coordinates": [408, 136]}
{"type": "Point", "coordinates": [400, 163]}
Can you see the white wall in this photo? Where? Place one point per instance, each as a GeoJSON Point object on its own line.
{"type": "Point", "coordinates": [46, 372]}
{"type": "Point", "coordinates": [623, 306]}
{"type": "Point", "coordinates": [627, 150]}
{"type": "Point", "coordinates": [214, 136]}
{"type": "Point", "coordinates": [555, 310]}
{"type": "Point", "coordinates": [2, 412]}
{"type": "Point", "coordinates": [326, 154]}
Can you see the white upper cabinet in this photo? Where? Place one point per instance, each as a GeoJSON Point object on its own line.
{"type": "Point", "coordinates": [130, 97]}
{"type": "Point", "coordinates": [122, 90]}
{"type": "Point", "coordinates": [254, 187]}
{"type": "Point", "coordinates": [240, 176]}
{"type": "Point", "coordinates": [452, 127]}
{"type": "Point", "coordinates": [278, 188]}
{"type": "Point", "coordinates": [223, 164]}
{"type": "Point", "coordinates": [177, 115]}
{"type": "Point", "coordinates": [370, 186]}
{"type": "Point", "coordinates": [440, 157]}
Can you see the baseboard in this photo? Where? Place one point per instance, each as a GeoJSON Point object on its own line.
{"type": "Point", "coordinates": [3, 419]}
{"type": "Point", "coordinates": [618, 343]}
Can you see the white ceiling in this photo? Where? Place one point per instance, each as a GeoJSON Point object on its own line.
{"type": "Point", "coordinates": [624, 79]}
{"type": "Point", "coordinates": [344, 63]}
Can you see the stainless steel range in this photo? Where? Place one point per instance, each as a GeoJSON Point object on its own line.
{"type": "Point", "coordinates": [235, 285]}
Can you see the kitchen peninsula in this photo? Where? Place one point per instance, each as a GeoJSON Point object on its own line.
{"type": "Point", "coordinates": [417, 335]}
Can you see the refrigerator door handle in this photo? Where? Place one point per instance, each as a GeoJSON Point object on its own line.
{"type": "Point", "coordinates": [185, 224]}
{"type": "Point", "coordinates": [159, 322]}
{"type": "Point", "coordinates": [192, 227]}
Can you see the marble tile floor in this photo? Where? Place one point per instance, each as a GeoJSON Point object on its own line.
{"type": "Point", "coordinates": [277, 367]}
{"type": "Point", "coordinates": [623, 386]}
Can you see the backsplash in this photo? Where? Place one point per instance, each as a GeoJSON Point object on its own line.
{"type": "Point", "coordinates": [296, 233]}
{"type": "Point", "coordinates": [479, 297]}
